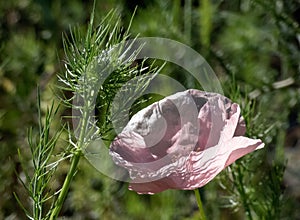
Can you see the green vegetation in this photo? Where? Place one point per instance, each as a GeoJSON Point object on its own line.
{"type": "Point", "coordinates": [253, 47]}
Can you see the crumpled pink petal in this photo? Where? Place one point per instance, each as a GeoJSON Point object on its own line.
{"type": "Point", "coordinates": [182, 142]}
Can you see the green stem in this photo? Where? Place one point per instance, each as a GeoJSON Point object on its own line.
{"type": "Point", "coordinates": [65, 188]}
{"type": "Point", "coordinates": [199, 202]}
{"type": "Point", "coordinates": [73, 168]}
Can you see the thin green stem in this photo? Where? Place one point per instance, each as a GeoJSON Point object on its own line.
{"type": "Point", "coordinates": [65, 188]}
{"type": "Point", "coordinates": [73, 168]}
{"type": "Point", "coordinates": [199, 202]}
{"type": "Point", "coordinates": [83, 128]}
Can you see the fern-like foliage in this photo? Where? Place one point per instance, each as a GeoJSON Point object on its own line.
{"type": "Point", "coordinates": [41, 146]}
{"type": "Point", "coordinates": [100, 63]}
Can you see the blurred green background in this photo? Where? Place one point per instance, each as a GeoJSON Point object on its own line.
{"type": "Point", "coordinates": [252, 45]}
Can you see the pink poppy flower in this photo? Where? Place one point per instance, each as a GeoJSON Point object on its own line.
{"type": "Point", "coordinates": [181, 142]}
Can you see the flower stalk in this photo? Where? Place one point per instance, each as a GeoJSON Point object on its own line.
{"type": "Point", "coordinates": [85, 72]}
{"type": "Point", "coordinates": [66, 186]}
{"type": "Point", "coordinates": [200, 206]}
